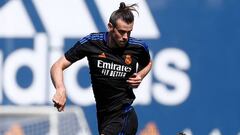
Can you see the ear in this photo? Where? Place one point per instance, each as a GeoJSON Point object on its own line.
{"type": "Point", "coordinates": [110, 27]}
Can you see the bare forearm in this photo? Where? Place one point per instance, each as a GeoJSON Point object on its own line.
{"type": "Point", "coordinates": [57, 77]}
{"type": "Point", "coordinates": [145, 70]}
{"type": "Point", "coordinates": [57, 72]}
{"type": "Point", "coordinates": [59, 98]}
{"type": "Point", "coordinates": [135, 80]}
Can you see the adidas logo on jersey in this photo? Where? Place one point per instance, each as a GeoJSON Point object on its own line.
{"type": "Point", "coordinates": [102, 55]}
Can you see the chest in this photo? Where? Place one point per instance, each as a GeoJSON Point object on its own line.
{"type": "Point", "coordinates": [105, 62]}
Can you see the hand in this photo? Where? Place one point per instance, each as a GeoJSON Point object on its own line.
{"type": "Point", "coordinates": [59, 100]}
{"type": "Point", "coordinates": [135, 80]}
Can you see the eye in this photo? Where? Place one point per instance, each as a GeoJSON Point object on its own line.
{"type": "Point", "coordinates": [122, 32]}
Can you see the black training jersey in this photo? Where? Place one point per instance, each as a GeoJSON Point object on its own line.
{"type": "Point", "coordinates": [110, 68]}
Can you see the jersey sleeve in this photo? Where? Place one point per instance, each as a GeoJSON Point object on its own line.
{"type": "Point", "coordinates": [78, 51]}
{"type": "Point", "coordinates": [144, 57]}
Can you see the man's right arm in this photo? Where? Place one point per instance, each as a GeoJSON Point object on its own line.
{"type": "Point", "coordinates": [56, 72]}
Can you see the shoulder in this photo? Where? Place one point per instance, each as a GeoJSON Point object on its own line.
{"type": "Point", "coordinates": [138, 43]}
{"type": "Point", "coordinates": [93, 37]}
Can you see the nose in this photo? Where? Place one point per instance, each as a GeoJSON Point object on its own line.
{"type": "Point", "coordinates": [125, 36]}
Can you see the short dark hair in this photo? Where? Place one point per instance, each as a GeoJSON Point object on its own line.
{"type": "Point", "coordinates": [124, 12]}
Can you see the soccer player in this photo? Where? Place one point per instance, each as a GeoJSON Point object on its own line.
{"type": "Point", "coordinates": [118, 63]}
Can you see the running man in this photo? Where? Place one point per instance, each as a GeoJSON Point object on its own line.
{"type": "Point", "coordinates": [118, 63]}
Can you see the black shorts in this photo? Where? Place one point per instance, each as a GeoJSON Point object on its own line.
{"type": "Point", "coordinates": [121, 122]}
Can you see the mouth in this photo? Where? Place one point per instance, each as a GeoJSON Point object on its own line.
{"type": "Point", "coordinates": [122, 44]}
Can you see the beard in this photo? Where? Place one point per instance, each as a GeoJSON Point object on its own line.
{"type": "Point", "coordinates": [122, 43]}
{"type": "Point", "coordinates": [117, 43]}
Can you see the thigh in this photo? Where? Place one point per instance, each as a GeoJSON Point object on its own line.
{"type": "Point", "coordinates": [130, 125]}
{"type": "Point", "coordinates": [110, 123]}
{"type": "Point", "coordinates": [124, 124]}
{"type": "Point", "coordinates": [113, 128]}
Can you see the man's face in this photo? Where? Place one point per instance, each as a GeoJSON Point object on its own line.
{"type": "Point", "coordinates": [121, 32]}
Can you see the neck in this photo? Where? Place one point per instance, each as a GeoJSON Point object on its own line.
{"type": "Point", "coordinates": [111, 42]}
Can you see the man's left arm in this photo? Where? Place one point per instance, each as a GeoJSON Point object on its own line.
{"type": "Point", "coordinates": [135, 80]}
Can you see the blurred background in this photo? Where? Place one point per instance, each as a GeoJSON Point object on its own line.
{"type": "Point", "coordinates": [194, 86]}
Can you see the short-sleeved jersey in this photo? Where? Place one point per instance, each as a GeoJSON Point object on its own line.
{"type": "Point", "coordinates": [110, 68]}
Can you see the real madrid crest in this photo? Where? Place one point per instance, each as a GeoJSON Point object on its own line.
{"type": "Point", "coordinates": [128, 59]}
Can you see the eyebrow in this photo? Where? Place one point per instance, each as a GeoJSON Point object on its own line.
{"type": "Point", "coordinates": [123, 30]}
